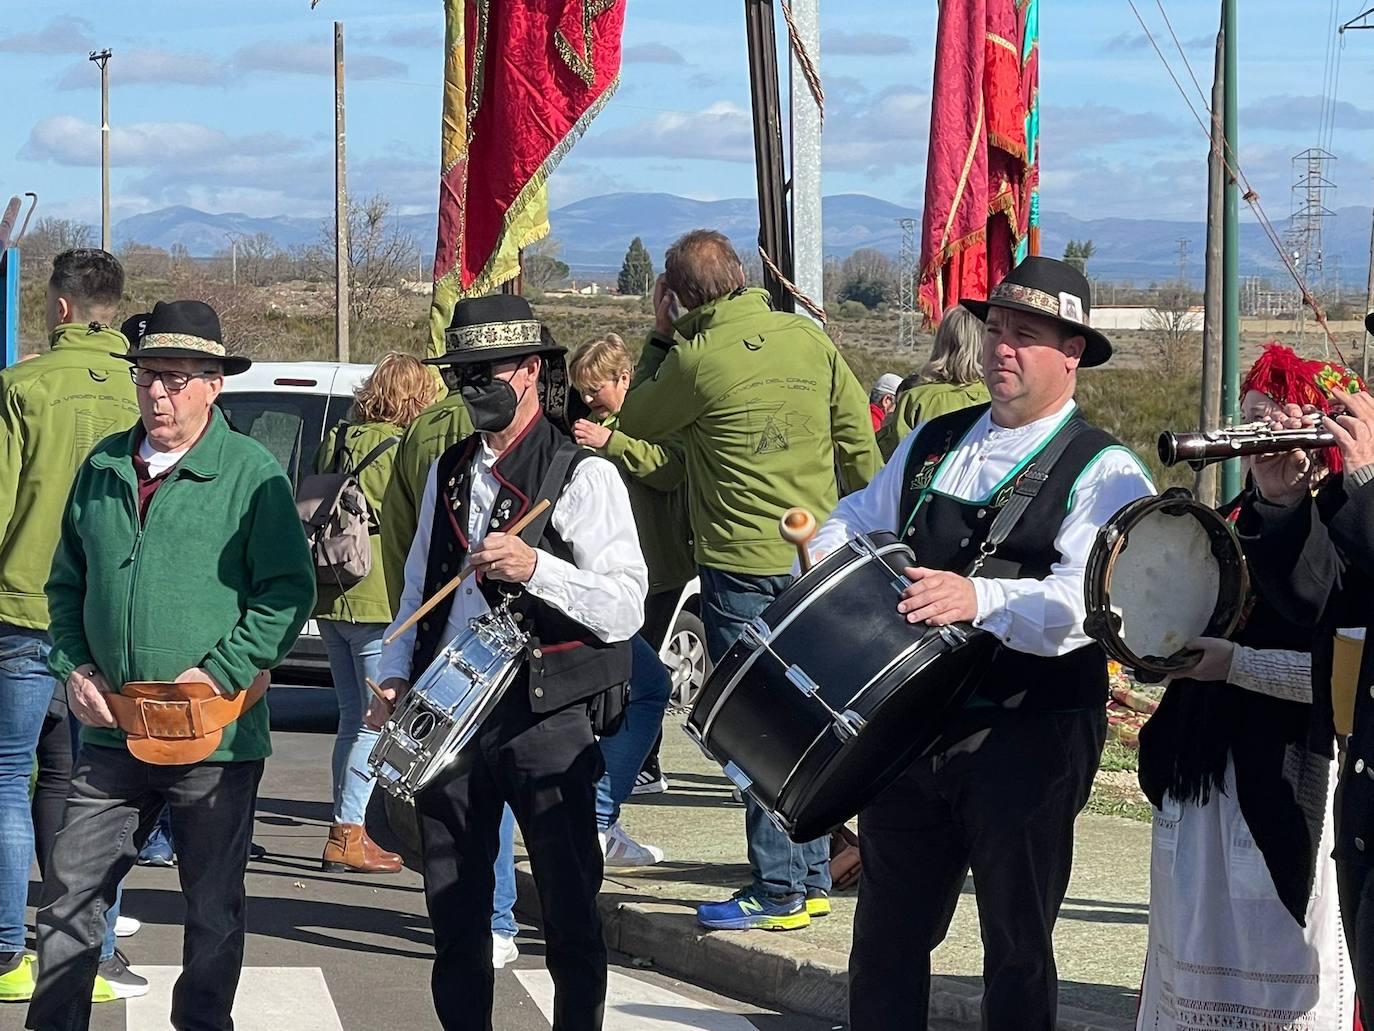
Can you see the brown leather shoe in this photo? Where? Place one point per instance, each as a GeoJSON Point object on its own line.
{"type": "Point", "coordinates": [350, 850]}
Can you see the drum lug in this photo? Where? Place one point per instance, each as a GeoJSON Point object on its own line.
{"type": "Point", "coordinates": [801, 681]}
{"type": "Point", "coordinates": [847, 725]}
{"type": "Point", "coordinates": [756, 633]}
{"type": "Point", "coordinates": [738, 777]}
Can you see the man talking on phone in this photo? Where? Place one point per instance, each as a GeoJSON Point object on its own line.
{"type": "Point", "coordinates": [766, 408]}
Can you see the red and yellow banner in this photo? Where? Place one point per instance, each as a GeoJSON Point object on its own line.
{"type": "Point", "coordinates": [522, 80]}
{"type": "Point", "coordinates": [980, 173]}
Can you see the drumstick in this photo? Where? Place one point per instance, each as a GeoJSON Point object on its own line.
{"type": "Point", "coordinates": [372, 685]}
{"type": "Point", "coordinates": [798, 526]}
{"type": "Point", "coordinates": [452, 585]}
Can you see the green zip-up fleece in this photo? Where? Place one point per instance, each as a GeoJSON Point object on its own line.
{"type": "Point", "coordinates": [364, 602]}
{"type": "Point", "coordinates": [218, 575]}
{"type": "Point", "coordinates": [924, 402]}
{"type": "Point", "coordinates": [656, 478]}
{"type": "Point", "coordinates": [765, 405]}
{"type": "Point", "coordinates": [440, 425]}
{"type": "Point", "coordinates": [53, 409]}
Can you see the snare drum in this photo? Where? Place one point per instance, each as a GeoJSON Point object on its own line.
{"type": "Point", "coordinates": [1163, 571]}
{"type": "Point", "coordinates": [831, 694]}
{"type": "Point", "coordinates": [444, 708]}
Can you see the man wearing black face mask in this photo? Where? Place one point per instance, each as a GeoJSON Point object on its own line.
{"type": "Point", "coordinates": [578, 589]}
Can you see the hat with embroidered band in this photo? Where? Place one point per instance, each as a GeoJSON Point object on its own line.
{"type": "Point", "coordinates": [494, 328]}
{"type": "Point", "coordinates": [1055, 290]}
{"type": "Point", "coordinates": [184, 329]}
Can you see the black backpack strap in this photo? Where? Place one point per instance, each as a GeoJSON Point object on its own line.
{"type": "Point", "coordinates": [549, 489]}
{"type": "Point", "coordinates": [375, 454]}
{"type": "Point", "coordinates": [1027, 486]}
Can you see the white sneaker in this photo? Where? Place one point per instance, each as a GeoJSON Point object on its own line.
{"type": "Point", "coordinates": [620, 849]}
{"type": "Point", "coordinates": [126, 926]}
{"type": "Point", "coordinates": [503, 950]}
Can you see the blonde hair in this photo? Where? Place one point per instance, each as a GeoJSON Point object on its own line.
{"type": "Point", "coordinates": [599, 361]}
{"type": "Point", "coordinates": [399, 389]}
{"type": "Point", "coordinates": [957, 356]}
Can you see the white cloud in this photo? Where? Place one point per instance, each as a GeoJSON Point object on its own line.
{"type": "Point", "coordinates": [878, 134]}
{"type": "Point", "coordinates": [133, 67]}
{"type": "Point", "coordinates": [652, 53]}
{"type": "Point", "coordinates": [62, 35]}
{"type": "Point", "coordinates": [312, 59]}
{"type": "Point", "coordinates": [720, 132]}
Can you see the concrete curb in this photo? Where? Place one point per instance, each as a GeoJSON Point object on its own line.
{"type": "Point", "coordinates": [767, 969]}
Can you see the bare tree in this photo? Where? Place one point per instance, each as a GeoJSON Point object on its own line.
{"type": "Point", "coordinates": [51, 236]}
{"type": "Point", "coordinates": [541, 266]}
{"type": "Point", "coordinates": [380, 253]}
{"type": "Point", "coordinates": [1175, 330]}
{"type": "Point", "coordinates": [261, 260]}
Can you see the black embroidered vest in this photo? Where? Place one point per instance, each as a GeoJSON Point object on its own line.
{"type": "Point", "coordinates": [945, 533]}
{"type": "Point", "coordinates": [567, 662]}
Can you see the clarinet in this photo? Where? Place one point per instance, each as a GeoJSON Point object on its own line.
{"type": "Point", "coordinates": [1199, 449]}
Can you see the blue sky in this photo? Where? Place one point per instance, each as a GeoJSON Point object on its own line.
{"type": "Point", "coordinates": [228, 107]}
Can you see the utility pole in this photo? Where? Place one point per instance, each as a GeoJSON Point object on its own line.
{"type": "Point", "coordinates": [234, 261]}
{"type": "Point", "coordinates": [1209, 414]}
{"type": "Point", "coordinates": [1368, 304]}
{"type": "Point", "coordinates": [340, 205]}
{"type": "Point", "coordinates": [1183, 261]}
{"type": "Point", "coordinates": [102, 58]}
{"type": "Point", "coordinates": [806, 155]}
{"type": "Point", "coordinates": [1230, 257]}
{"type": "Point", "coordinates": [775, 239]}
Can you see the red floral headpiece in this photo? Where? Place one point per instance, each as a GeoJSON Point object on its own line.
{"type": "Point", "coordinates": [1291, 380]}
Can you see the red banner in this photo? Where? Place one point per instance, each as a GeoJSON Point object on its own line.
{"type": "Point", "coordinates": [979, 176]}
{"type": "Point", "coordinates": [533, 74]}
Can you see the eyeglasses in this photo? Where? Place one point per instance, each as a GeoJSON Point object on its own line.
{"type": "Point", "coordinates": [172, 382]}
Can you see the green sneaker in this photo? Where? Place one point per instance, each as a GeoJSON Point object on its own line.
{"type": "Point", "coordinates": [16, 976]}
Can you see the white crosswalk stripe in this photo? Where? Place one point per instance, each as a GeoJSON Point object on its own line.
{"type": "Point", "coordinates": [269, 999]}
{"type": "Point", "coordinates": [634, 1005]}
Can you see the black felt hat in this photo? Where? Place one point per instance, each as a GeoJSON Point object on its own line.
{"type": "Point", "coordinates": [1369, 323]}
{"type": "Point", "coordinates": [183, 329]}
{"type": "Point", "coordinates": [1054, 289]}
{"type": "Point", "coordinates": [494, 328]}
{"type": "Point", "coordinates": [132, 328]}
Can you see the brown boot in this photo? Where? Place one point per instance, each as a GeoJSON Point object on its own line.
{"type": "Point", "coordinates": [350, 850]}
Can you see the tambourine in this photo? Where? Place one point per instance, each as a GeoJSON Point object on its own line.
{"type": "Point", "coordinates": [1163, 571]}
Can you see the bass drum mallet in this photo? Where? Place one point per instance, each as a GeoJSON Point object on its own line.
{"type": "Point", "coordinates": [797, 526]}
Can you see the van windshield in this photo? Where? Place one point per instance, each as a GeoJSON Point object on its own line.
{"type": "Point", "coordinates": [291, 426]}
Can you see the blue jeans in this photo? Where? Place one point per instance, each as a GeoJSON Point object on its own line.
{"type": "Point", "coordinates": [355, 652]}
{"type": "Point", "coordinates": [26, 689]}
{"type": "Point", "coordinates": [777, 864]}
{"type": "Point", "coordinates": [503, 898]}
{"type": "Point", "coordinates": [625, 750]}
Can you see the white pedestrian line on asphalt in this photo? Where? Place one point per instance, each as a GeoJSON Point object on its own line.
{"type": "Point", "coordinates": [634, 1005]}
{"type": "Point", "coordinates": [269, 999]}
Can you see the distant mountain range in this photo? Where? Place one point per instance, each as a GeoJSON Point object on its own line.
{"type": "Point", "coordinates": [595, 232]}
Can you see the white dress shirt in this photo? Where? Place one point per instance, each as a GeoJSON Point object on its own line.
{"type": "Point", "coordinates": [1040, 617]}
{"type": "Point", "coordinates": [603, 588]}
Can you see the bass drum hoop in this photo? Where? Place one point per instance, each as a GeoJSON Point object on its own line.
{"type": "Point", "coordinates": [1104, 625]}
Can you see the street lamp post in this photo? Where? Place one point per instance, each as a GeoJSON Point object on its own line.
{"type": "Point", "coordinates": [102, 58]}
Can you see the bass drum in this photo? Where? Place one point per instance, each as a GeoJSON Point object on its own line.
{"type": "Point", "coordinates": [831, 694]}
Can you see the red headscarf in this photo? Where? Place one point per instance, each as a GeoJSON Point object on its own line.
{"type": "Point", "coordinates": [1290, 380]}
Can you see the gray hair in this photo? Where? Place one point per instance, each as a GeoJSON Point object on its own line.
{"type": "Point", "coordinates": [957, 356]}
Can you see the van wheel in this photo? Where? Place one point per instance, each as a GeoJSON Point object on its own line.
{"type": "Point", "coordinates": [684, 654]}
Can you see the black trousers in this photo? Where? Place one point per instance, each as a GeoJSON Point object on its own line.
{"type": "Point", "coordinates": [115, 800]}
{"type": "Point", "coordinates": [1355, 887]}
{"type": "Point", "coordinates": [1000, 798]}
{"type": "Point", "coordinates": [54, 756]}
{"type": "Point", "coordinates": [546, 767]}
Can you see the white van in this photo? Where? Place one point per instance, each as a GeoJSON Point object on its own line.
{"type": "Point", "coordinates": [288, 407]}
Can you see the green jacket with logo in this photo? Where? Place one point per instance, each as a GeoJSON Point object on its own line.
{"type": "Point", "coordinates": [53, 409]}
{"type": "Point", "coordinates": [364, 602]}
{"type": "Point", "coordinates": [765, 405]}
{"type": "Point", "coordinates": [218, 575]}
{"type": "Point", "coordinates": [656, 478]}
{"type": "Point", "coordinates": [442, 424]}
{"type": "Point", "coordinates": [924, 402]}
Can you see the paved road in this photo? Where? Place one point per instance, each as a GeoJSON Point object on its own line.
{"type": "Point", "coordinates": [331, 952]}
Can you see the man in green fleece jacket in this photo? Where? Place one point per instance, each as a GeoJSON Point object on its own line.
{"type": "Point", "coordinates": [181, 558]}
{"type": "Point", "coordinates": [765, 406]}
{"type": "Point", "coordinates": [53, 408]}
